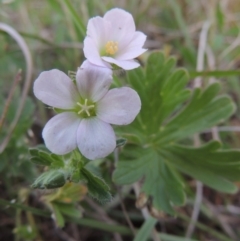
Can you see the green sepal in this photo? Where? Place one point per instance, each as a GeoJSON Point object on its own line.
{"type": "Point", "coordinates": [40, 161]}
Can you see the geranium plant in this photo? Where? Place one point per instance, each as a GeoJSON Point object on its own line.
{"type": "Point", "coordinates": [171, 113]}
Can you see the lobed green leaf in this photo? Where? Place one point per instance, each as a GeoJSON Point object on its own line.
{"type": "Point", "coordinates": [160, 179]}
{"type": "Point", "coordinates": [214, 167]}
{"type": "Point", "coordinates": [200, 114]}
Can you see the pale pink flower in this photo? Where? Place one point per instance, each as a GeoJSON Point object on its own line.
{"type": "Point", "coordinates": [87, 110]}
{"type": "Point", "coordinates": [113, 39]}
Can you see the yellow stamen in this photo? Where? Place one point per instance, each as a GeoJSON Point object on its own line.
{"type": "Point", "coordinates": [111, 47]}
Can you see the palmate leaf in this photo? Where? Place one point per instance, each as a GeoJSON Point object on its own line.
{"type": "Point", "coordinates": [160, 180]}
{"type": "Point", "coordinates": [170, 113]}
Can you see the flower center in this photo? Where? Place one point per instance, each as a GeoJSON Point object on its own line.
{"type": "Point", "coordinates": [86, 109]}
{"type": "Point", "coordinates": [111, 47]}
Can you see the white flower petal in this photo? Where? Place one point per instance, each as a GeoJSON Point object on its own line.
{"type": "Point", "coordinates": [93, 81]}
{"type": "Point", "coordinates": [123, 26]}
{"type": "Point", "coordinates": [87, 64]}
{"type": "Point", "coordinates": [56, 89]}
{"type": "Point", "coordinates": [124, 64]}
{"type": "Point", "coordinates": [95, 138]}
{"type": "Point", "coordinates": [98, 30]}
{"type": "Point", "coordinates": [60, 133]}
{"type": "Point", "coordinates": [92, 53]}
{"type": "Point", "coordinates": [134, 48]}
{"type": "Point", "coordinates": [119, 106]}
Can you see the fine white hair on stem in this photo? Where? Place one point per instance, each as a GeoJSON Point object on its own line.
{"type": "Point", "coordinates": [27, 83]}
{"type": "Point", "coordinates": [197, 84]}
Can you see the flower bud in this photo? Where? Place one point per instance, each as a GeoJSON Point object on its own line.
{"type": "Point", "coordinates": [50, 179]}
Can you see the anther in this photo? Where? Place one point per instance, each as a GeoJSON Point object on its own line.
{"type": "Point", "coordinates": [111, 47]}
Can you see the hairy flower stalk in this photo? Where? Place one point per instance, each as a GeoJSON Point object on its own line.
{"type": "Point", "coordinates": [88, 108]}
{"type": "Point", "coordinates": [113, 40]}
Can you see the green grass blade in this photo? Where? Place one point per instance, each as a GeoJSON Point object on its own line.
{"type": "Point", "coordinates": [87, 222]}
{"type": "Point", "coordinates": [145, 231]}
{"type": "Point", "coordinates": [113, 228]}
{"type": "Point", "coordinates": [181, 22]}
{"type": "Point", "coordinates": [75, 16]}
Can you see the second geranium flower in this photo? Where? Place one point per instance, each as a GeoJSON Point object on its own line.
{"type": "Point", "coordinates": [113, 40]}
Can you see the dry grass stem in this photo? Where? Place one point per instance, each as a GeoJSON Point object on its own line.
{"type": "Point", "coordinates": [27, 84]}
{"type": "Point", "coordinates": [197, 84]}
